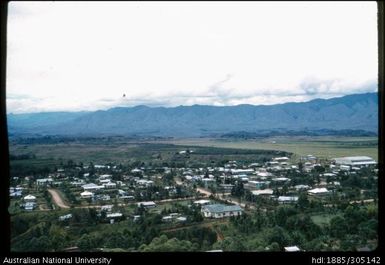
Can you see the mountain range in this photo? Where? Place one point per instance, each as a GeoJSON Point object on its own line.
{"type": "Point", "coordinates": [351, 112]}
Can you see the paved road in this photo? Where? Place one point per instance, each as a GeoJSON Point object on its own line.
{"type": "Point", "coordinates": [57, 199]}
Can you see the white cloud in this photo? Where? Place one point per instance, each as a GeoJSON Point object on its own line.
{"type": "Point", "coordinates": [74, 56]}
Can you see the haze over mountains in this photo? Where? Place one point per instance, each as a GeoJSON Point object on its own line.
{"type": "Point", "coordinates": [352, 112]}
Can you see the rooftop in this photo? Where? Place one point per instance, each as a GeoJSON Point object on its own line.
{"type": "Point", "coordinates": [220, 208]}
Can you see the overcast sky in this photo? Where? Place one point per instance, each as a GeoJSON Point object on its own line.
{"type": "Point", "coordinates": [87, 55]}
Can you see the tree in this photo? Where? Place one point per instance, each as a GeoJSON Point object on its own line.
{"type": "Point", "coordinates": [338, 227]}
{"type": "Point", "coordinates": [303, 202]}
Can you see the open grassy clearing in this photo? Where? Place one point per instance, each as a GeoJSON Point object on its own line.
{"type": "Point", "coordinates": [323, 219]}
{"type": "Point", "coordinates": [323, 146]}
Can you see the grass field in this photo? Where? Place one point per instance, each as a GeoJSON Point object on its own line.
{"type": "Point", "coordinates": [322, 146]}
{"type": "Point", "coordinates": [205, 149]}
{"type": "Point", "coordinates": [323, 219]}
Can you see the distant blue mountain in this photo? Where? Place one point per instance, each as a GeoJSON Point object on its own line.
{"type": "Point", "coordinates": [352, 112]}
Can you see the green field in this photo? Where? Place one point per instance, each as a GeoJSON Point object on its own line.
{"type": "Point", "coordinates": [323, 219]}
{"type": "Point", "coordinates": [155, 153]}
{"type": "Point", "coordinates": [322, 146]}
{"type": "Point", "coordinates": [205, 149]}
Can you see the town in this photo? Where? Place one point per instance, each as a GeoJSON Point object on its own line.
{"type": "Point", "coordinates": [305, 204]}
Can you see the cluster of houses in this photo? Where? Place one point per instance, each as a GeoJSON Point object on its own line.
{"type": "Point", "coordinates": [260, 179]}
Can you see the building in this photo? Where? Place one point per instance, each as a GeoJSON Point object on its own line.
{"type": "Point", "coordinates": [202, 202]}
{"type": "Point", "coordinates": [44, 182]}
{"type": "Point", "coordinates": [167, 218]}
{"type": "Point", "coordinates": [281, 159]}
{"type": "Point", "coordinates": [318, 191]}
{"type": "Point", "coordinates": [256, 185]}
{"type": "Point", "coordinates": [65, 217]}
{"type": "Point", "coordinates": [114, 215]}
{"type": "Point", "coordinates": [29, 198]}
{"type": "Point", "coordinates": [110, 185]}
{"type": "Point", "coordinates": [221, 210]}
{"type": "Point", "coordinates": [147, 204]}
{"type": "Point", "coordinates": [292, 249]}
{"type": "Point", "coordinates": [91, 186]}
{"type": "Point", "coordinates": [287, 199]}
{"type": "Point", "coordinates": [86, 194]}
{"type": "Point", "coordinates": [29, 206]}
{"type": "Point", "coordinates": [358, 161]}
{"type": "Point", "coordinates": [262, 192]}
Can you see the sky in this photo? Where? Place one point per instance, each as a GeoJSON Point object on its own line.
{"type": "Point", "coordinates": [85, 56]}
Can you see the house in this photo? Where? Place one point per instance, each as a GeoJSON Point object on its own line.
{"type": "Point", "coordinates": [103, 197]}
{"type": "Point", "coordinates": [114, 215]}
{"type": "Point", "coordinates": [44, 182]}
{"type": "Point", "coordinates": [280, 180]}
{"type": "Point", "coordinates": [144, 182]}
{"type": "Point", "coordinates": [256, 185]}
{"type": "Point", "coordinates": [262, 192]}
{"type": "Point", "coordinates": [29, 206]}
{"type": "Point", "coordinates": [287, 199]}
{"type": "Point", "coordinates": [65, 217]}
{"type": "Point", "coordinates": [110, 185]}
{"type": "Point", "coordinates": [86, 194]}
{"type": "Point", "coordinates": [147, 204]}
{"type": "Point", "coordinates": [167, 218]}
{"type": "Point", "coordinates": [105, 176]}
{"type": "Point", "coordinates": [202, 202]}
{"type": "Point", "coordinates": [15, 192]}
{"type": "Point", "coordinates": [221, 210]}
{"type": "Point", "coordinates": [181, 219]}
{"type": "Point", "coordinates": [292, 249]}
{"type": "Point", "coordinates": [104, 181]}
{"type": "Point", "coordinates": [246, 171]}
{"type": "Point", "coordinates": [302, 187]}
{"type": "Point", "coordinates": [318, 191]}
{"type": "Point", "coordinates": [91, 186]}
{"type": "Point", "coordinates": [77, 183]}
{"type": "Point", "coordinates": [281, 159]}
{"type": "Point", "coordinates": [29, 198]}
{"type": "Point", "coordinates": [136, 171]}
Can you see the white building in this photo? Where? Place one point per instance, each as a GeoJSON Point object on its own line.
{"type": "Point", "coordinates": [91, 186]}
{"type": "Point", "coordinates": [355, 161]}
{"type": "Point", "coordinates": [221, 210]}
{"type": "Point", "coordinates": [86, 194]}
{"type": "Point", "coordinates": [292, 249]}
{"type": "Point", "coordinates": [202, 202]}
{"type": "Point", "coordinates": [318, 191]}
{"type": "Point", "coordinates": [29, 198]}
{"type": "Point", "coordinates": [287, 199]}
{"type": "Point", "coordinates": [262, 192]}
{"type": "Point", "coordinates": [65, 217]}
{"type": "Point", "coordinates": [44, 182]}
{"type": "Point", "coordinates": [110, 185]}
{"type": "Point", "coordinates": [147, 204]}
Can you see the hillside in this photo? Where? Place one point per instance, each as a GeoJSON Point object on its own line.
{"type": "Point", "coordinates": [352, 112]}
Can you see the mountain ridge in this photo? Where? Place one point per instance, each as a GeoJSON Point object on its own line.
{"type": "Point", "coordinates": [351, 112]}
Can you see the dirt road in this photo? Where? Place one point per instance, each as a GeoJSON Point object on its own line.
{"type": "Point", "coordinates": [57, 199]}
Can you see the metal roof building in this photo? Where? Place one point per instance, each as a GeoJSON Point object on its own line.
{"type": "Point", "coordinates": [221, 210]}
{"type": "Point", "coordinates": [355, 161]}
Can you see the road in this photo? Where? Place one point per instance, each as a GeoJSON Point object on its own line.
{"type": "Point", "coordinates": [58, 199]}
